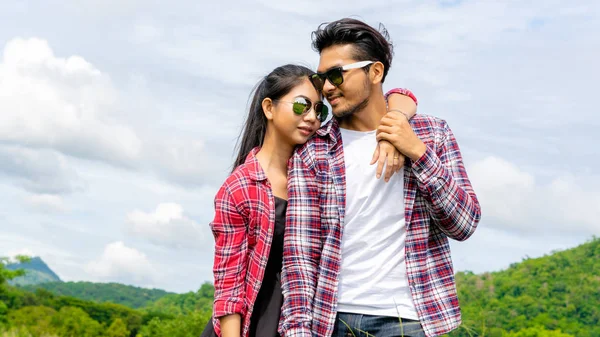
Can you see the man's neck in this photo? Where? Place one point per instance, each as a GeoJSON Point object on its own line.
{"type": "Point", "coordinates": [369, 117]}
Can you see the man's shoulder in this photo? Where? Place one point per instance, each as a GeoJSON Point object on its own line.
{"type": "Point", "coordinates": [428, 119]}
{"type": "Point", "coordinates": [427, 124]}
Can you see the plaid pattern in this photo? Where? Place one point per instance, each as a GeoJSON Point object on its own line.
{"type": "Point", "coordinates": [243, 230]}
{"type": "Point", "coordinates": [439, 204]}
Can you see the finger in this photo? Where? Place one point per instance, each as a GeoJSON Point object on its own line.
{"type": "Point", "coordinates": [392, 115]}
{"type": "Point", "coordinates": [385, 128]}
{"type": "Point", "coordinates": [401, 162]}
{"type": "Point", "coordinates": [375, 155]}
{"type": "Point", "coordinates": [384, 136]}
{"type": "Point", "coordinates": [389, 168]}
{"type": "Point", "coordinates": [386, 121]}
{"type": "Point", "coordinates": [380, 164]}
{"type": "Point", "coordinates": [396, 161]}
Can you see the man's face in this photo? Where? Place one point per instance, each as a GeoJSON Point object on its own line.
{"type": "Point", "coordinates": [353, 94]}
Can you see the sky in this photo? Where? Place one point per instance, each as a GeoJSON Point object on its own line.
{"type": "Point", "coordinates": [118, 121]}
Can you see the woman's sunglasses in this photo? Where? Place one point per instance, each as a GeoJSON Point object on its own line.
{"type": "Point", "coordinates": [335, 75]}
{"type": "Point", "coordinates": [302, 105]}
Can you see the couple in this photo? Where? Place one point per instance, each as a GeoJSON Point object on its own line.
{"type": "Point", "coordinates": [310, 241]}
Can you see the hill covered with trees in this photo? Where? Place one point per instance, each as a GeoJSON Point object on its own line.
{"type": "Point", "coordinates": [557, 295]}
{"type": "Point", "coordinates": [130, 296]}
{"type": "Point", "coordinates": [36, 272]}
{"type": "Point", "coordinates": [557, 292]}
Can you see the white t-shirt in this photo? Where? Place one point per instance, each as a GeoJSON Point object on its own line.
{"type": "Point", "coordinates": [373, 279]}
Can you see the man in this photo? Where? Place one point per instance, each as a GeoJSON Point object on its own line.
{"type": "Point", "coordinates": [390, 274]}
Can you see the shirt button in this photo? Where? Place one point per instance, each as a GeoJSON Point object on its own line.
{"type": "Point", "coordinates": [270, 230]}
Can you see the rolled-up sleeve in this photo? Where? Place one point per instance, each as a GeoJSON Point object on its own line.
{"type": "Point", "coordinates": [231, 250]}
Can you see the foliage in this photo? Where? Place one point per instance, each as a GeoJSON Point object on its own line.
{"type": "Point", "coordinates": [182, 304]}
{"type": "Point", "coordinates": [559, 292]}
{"type": "Point", "coordinates": [36, 271]}
{"type": "Point", "coordinates": [551, 296]}
{"type": "Point", "coordinates": [117, 329]}
{"type": "Point", "coordinates": [7, 273]}
{"type": "Point", "coordinates": [130, 296]}
{"type": "Point", "coordinates": [190, 325]}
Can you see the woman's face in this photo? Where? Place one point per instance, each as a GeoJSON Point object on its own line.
{"type": "Point", "coordinates": [294, 115]}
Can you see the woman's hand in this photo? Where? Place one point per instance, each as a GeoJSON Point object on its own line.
{"type": "Point", "coordinates": [387, 155]}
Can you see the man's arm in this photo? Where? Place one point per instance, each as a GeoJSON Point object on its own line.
{"type": "Point", "coordinates": [302, 249]}
{"type": "Point", "coordinates": [403, 101]}
{"type": "Point", "coordinates": [441, 175]}
{"type": "Point", "coordinates": [442, 178]}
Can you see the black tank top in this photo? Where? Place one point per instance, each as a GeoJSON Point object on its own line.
{"type": "Point", "coordinates": [267, 308]}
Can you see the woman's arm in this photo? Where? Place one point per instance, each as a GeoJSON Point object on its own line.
{"type": "Point", "coordinates": [231, 250]}
{"type": "Point", "coordinates": [231, 325]}
{"type": "Point", "coordinates": [404, 101]}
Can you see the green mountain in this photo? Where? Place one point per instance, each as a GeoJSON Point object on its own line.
{"type": "Point", "coordinates": [36, 272]}
{"type": "Point", "coordinates": [556, 295]}
{"type": "Point", "coordinates": [184, 304]}
{"type": "Point", "coordinates": [39, 275]}
{"type": "Point", "coordinates": [133, 297]}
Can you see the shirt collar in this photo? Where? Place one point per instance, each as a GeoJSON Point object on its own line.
{"type": "Point", "coordinates": [255, 171]}
{"type": "Point", "coordinates": [331, 130]}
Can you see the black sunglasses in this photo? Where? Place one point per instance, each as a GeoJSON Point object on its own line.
{"type": "Point", "coordinates": [302, 105]}
{"type": "Point", "coordinates": [335, 75]}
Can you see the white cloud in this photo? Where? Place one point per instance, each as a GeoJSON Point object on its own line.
{"type": "Point", "coordinates": [515, 200]}
{"type": "Point", "coordinates": [124, 264]}
{"type": "Point", "coordinates": [492, 249]}
{"type": "Point", "coordinates": [188, 161]}
{"type": "Point", "coordinates": [11, 255]}
{"type": "Point", "coordinates": [42, 171]}
{"type": "Point", "coordinates": [48, 203]}
{"type": "Point", "coordinates": [60, 103]}
{"type": "Point", "coordinates": [59, 258]}
{"type": "Point", "coordinates": [65, 107]}
{"type": "Point", "coordinates": [167, 226]}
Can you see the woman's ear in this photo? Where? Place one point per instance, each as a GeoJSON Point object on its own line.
{"type": "Point", "coordinates": [267, 106]}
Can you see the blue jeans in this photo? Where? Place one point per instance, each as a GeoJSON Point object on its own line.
{"type": "Point", "coordinates": [357, 325]}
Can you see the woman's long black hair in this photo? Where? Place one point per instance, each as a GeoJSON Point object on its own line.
{"type": "Point", "coordinates": [275, 85]}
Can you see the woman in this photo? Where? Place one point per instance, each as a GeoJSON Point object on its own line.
{"type": "Point", "coordinates": [285, 111]}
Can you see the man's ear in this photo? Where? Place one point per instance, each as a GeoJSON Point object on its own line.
{"type": "Point", "coordinates": [376, 72]}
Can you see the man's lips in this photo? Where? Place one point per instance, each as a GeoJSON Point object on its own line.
{"type": "Point", "coordinates": [333, 99]}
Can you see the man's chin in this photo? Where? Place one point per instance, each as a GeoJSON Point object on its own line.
{"type": "Point", "coordinates": [342, 113]}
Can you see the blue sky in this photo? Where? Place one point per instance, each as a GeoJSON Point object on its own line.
{"type": "Point", "coordinates": [118, 121]}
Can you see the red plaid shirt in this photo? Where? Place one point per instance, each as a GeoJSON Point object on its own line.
{"type": "Point", "coordinates": [243, 231]}
{"type": "Point", "coordinates": [439, 204]}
